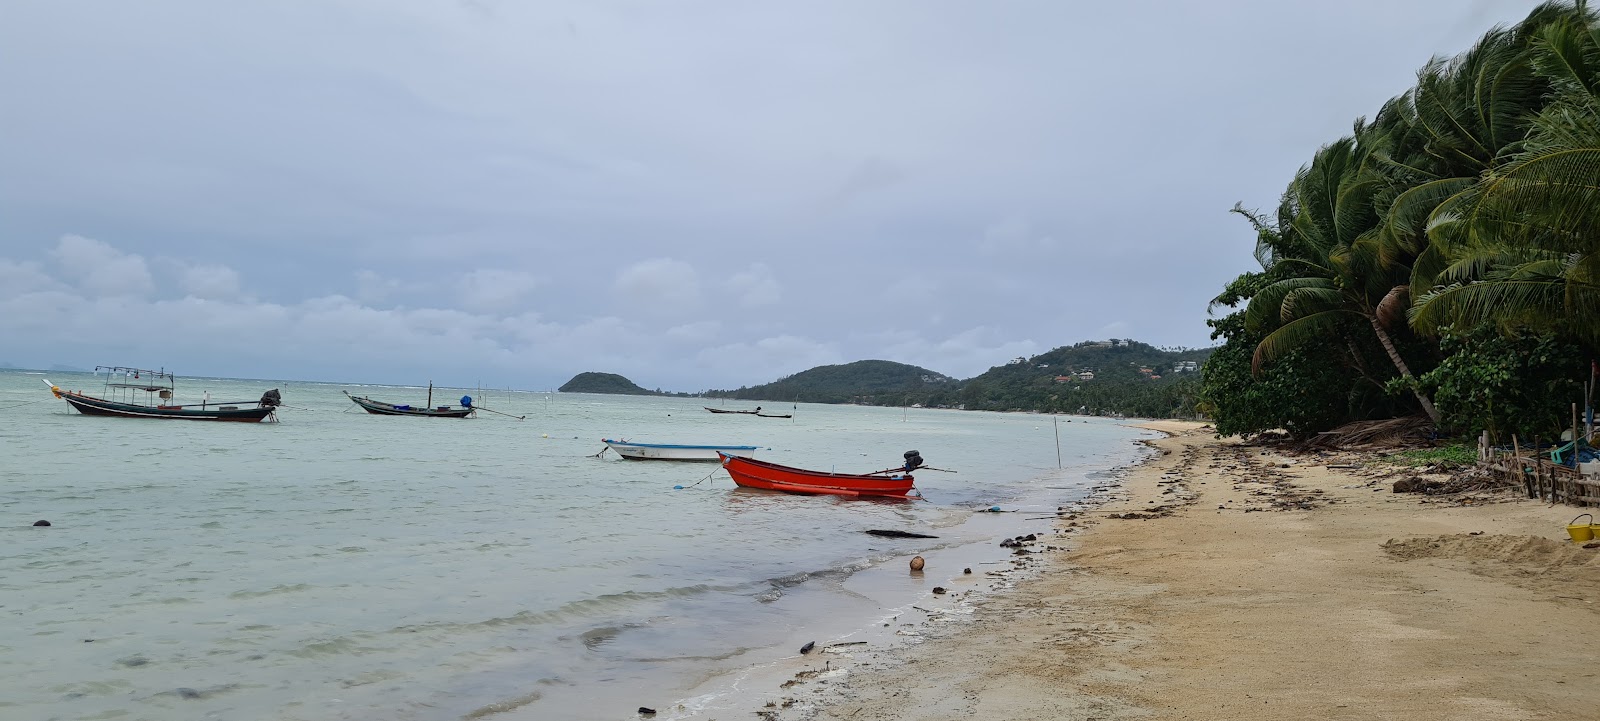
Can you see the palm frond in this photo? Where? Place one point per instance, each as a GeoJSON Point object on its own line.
{"type": "Point", "coordinates": [1267, 307]}
{"type": "Point", "coordinates": [1296, 333]}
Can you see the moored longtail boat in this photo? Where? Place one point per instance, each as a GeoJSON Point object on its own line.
{"type": "Point", "coordinates": [751, 473]}
{"type": "Point", "coordinates": [675, 451]}
{"type": "Point", "coordinates": [158, 387]}
{"type": "Point", "coordinates": [755, 412]}
{"type": "Point", "coordinates": [380, 408]}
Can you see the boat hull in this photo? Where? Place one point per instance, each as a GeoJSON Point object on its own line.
{"type": "Point", "coordinates": [91, 406]}
{"type": "Point", "coordinates": [676, 452]}
{"type": "Point", "coordinates": [751, 473]}
{"type": "Point", "coordinates": [379, 408]}
{"type": "Point", "coordinates": [724, 410]}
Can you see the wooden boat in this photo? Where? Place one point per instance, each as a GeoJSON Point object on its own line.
{"type": "Point", "coordinates": [751, 473]}
{"type": "Point", "coordinates": [676, 452]}
{"type": "Point", "coordinates": [776, 415]}
{"type": "Point", "coordinates": [158, 386]}
{"type": "Point", "coordinates": [755, 412]}
{"type": "Point", "coordinates": [380, 408]}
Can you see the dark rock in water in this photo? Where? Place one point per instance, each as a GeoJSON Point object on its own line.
{"type": "Point", "coordinates": [938, 590]}
{"type": "Point", "coordinates": [133, 661]}
{"type": "Point", "coordinates": [1030, 537]}
{"type": "Point", "coordinates": [966, 571]}
{"type": "Point", "coordinates": [897, 534]}
{"type": "Point", "coordinates": [188, 693]}
{"type": "Point", "coordinates": [41, 523]}
{"type": "Point", "coordinates": [807, 648]}
{"type": "Point", "coordinates": [646, 711]}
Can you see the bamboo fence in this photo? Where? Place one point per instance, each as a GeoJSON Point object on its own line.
{"type": "Point", "coordinates": [1537, 475]}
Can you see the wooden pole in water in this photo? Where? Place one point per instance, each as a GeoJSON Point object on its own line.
{"type": "Point", "coordinates": [1057, 423]}
{"type": "Point", "coordinates": [430, 395]}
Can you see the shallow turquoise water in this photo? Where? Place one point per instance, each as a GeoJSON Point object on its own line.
{"type": "Point", "coordinates": [339, 565]}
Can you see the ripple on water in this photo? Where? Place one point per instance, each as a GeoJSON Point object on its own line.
{"type": "Point", "coordinates": [275, 590]}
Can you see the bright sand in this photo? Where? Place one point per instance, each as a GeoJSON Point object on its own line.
{"type": "Point", "coordinates": [1282, 614]}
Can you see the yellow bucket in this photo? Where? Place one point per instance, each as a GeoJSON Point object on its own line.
{"type": "Point", "coordinates": [1581, 532]}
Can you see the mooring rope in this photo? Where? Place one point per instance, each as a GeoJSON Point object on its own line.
{"type": "Point", "coordinates": [696, 483]}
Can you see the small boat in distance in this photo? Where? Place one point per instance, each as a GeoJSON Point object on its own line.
{"type": "Point", "coordinates": [776, 415]}
{"type": "Point", "coordinates": [124, 384]}
{"type": "Point", "coordinates": [751, 473]}
{"type": "Point", "coordinates": [675, 451]}
{"type": "Point", "coordinates": [755, 412]}
{"type": "Point", "coordinates": [380, 408]}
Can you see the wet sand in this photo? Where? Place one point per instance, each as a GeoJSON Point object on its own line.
{"type": "Point", "coordinates": [1257, 591]}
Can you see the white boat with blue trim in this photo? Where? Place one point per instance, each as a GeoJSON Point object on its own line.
{"type": "Point", "coordinates": [676, 451]}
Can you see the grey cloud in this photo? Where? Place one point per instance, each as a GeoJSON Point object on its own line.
{"type": "Point", "coordinates": [100, 269]}
{"type": "Point", "coordinates": [756, 286]}
{"type": "Point", "coordinates": [485, 184]}
{"type": "Point", "coordinates": [659, 285]}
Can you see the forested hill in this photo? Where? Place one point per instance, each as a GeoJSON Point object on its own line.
{"type": "Point", "coordinates": [1113, 360]}
{"type": "Point", "coordinates": [592, 382]}
{"type": "Point", "coordinates": [1120, 376]}
{"type": "Point", "coordinates": [1098, 377]}
{"type": "Point", "coordinates": [870, 382]}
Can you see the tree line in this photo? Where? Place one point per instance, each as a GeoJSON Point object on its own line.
{"type": "Point", "coordinates": [1442, 259]}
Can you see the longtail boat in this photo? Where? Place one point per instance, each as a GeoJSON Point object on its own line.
{"type": "Point", "coordinates": [121, 399]}
{"type": "Point", "coordinates": [675, 452]}
{"type": "Point", "coordinates": [755, 412]}
{"type": "Point", "coordinates": [751, 473]}
{"type": "Point", "coordinates": [380, 408]}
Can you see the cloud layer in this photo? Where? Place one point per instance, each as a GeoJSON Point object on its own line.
{"type": "Point", "coordinates": [695, 196]}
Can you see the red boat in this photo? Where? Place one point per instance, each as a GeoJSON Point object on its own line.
{"type": "Point", "coordinates": [751, 473]}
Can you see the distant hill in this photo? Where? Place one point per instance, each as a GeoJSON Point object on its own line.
{"type": "Point", "coordinates": [872, 382]}
{"type": "Point", "coordinates": [592, 382]}
{"type": "Point", "coordinates": [1111, 377]}
{"type": "Point", "coordinates": [1120, 376]}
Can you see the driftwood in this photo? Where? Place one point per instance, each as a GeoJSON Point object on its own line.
{"type": "Point", "coordinates": [897, 534]}
{"type": "Point", "coordinates": [1391, 433]}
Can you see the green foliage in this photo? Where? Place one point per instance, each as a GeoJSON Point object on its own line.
{"type": "Point", "coordinates": [1304, 391]}
{"type": "Point", "coordinates": [1455, 454]}
{"type": "Point", "coordinates": [1469, 201]}
{"type": "Point", "coordinates": [592, 382]}
{"type": "Point", "coordinates": [1520, 383]}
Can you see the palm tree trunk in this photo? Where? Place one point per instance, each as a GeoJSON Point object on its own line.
{"type": "Point", "coordinates": [1400, 363]}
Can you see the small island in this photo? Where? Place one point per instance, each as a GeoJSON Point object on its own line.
{"type": "Point", "coordinates": [594, 382]}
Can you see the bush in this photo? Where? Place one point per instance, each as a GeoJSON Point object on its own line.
{"type": "Point", "coordinates": [1520, 382]}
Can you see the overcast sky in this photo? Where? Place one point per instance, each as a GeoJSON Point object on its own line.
{"type": "Point", "coordinates": [692, 194]}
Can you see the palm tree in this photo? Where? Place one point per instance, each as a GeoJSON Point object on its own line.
{"type": "Point", "coordinates": [1331, 259]}
{"type": "Point", "coordinates": [1521, 247]}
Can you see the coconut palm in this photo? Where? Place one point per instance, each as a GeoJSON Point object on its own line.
{"type": "Point", "coordinates": [1330, 259]}
{"type": "Point", "coordinates": [1522, 245]}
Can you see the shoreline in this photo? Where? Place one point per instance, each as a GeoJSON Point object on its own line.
{"type": "Point", "coordinates": [1267, 586]}
{"type": "Point", "coordinates": [928, 603]}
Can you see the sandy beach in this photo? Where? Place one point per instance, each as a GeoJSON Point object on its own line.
{"type": "Point", "coordinates": [1257, 586]}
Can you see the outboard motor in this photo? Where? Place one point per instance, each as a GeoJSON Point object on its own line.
{"type": "Point", "coordinates": [913, 461]}
{"type": "Point", "coordinates": [271, 399]}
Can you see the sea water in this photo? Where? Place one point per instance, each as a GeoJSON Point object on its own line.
{"type": "Point", "coordinates": [340, 565]}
